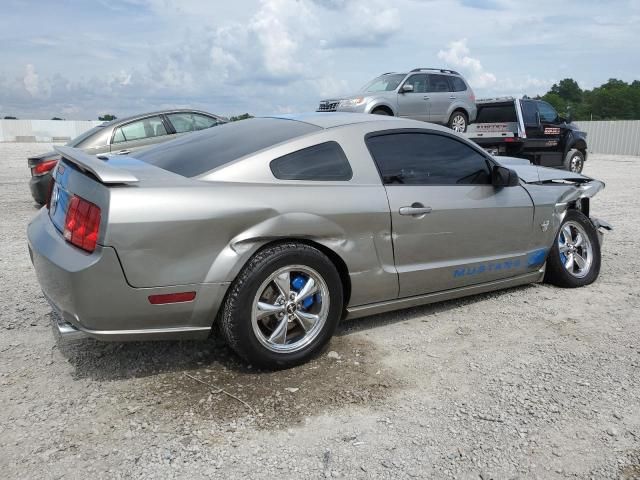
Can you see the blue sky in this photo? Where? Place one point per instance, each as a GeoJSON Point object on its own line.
{"type": "Point", "coordinates": [78, 59]}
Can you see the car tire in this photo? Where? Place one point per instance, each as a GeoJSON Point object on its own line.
{"type": "Point", "coordinates": [577, 238]}
{"type": "Point", "coordinates": [255, 315]}
{"type": "Point", "coordinates": [574, 161]}
{"type": "Point", "coordinates": [458, 121]}
{"type": "Point", "coordinates": [381, 111]}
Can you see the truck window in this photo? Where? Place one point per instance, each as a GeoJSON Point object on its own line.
{"type": "Point", "coordinates": [496, 114]}
{"type": "Point", "coordinates": [548, 114]}
{"type": "Point", "coordinates": [529, 111]}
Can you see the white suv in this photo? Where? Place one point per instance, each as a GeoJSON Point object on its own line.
{"type": "Point", "coordinates": [428, 94]}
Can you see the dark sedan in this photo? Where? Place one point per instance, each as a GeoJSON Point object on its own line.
{"type": "Point", "coordinates": [120, 137]}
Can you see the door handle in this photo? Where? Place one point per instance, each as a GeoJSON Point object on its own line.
{"type": "Point", "coordinates": [123, 152]}
{"type": "Point", "coordinates": [415, 210]}
{"type": "Point", "coordinates": [426, 98]}
{"type": "Point", "coordinates": [452, 97]}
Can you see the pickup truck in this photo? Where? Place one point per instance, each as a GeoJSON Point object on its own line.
{"type": "Point", "coordinates": [530, 129]}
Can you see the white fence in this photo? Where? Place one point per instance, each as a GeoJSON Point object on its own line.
{"type": "Point", "coordinates": [43, 130]}
{"type": "Point", "coordinates": [620, 137]}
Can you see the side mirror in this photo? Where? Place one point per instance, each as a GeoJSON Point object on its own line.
{"type": "Point", "coordinates": [407, 88]}
{"type": "Point", "coordinates": [504, 177]}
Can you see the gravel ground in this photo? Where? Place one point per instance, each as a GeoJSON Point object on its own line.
{"type": "Point", "coordinates": [533, 382]}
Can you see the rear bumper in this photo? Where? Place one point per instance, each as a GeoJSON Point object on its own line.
{"type": "Point", "coordinates": [39, 187]}
{"type": "Point", "coordinates": [91, 297]}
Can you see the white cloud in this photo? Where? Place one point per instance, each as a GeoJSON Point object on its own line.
{"type": "Point", "coordinates": [261, 56]}
{"type": "Point", "coordinates": [457, 56]}
{"type": "Point", "coordinates": [31, 80]}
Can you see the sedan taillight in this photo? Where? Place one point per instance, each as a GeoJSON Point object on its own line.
{"type": "Point", "coordinates": [44, 167]}
{"type": "Point", "coordinates": [82, 224]}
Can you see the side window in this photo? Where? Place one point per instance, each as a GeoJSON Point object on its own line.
{"type": "Point", "coordinates": [418, 81]}
{"type": "Point", "coordinates": [323, 162]}
{"type": "Point", "coordinates": [457, 84]}
{"type": "Point", "coordinates": [427, 159]}
{"type": "Point", "coordinates": [548, 114]}
{"type": "Point", "coordinates": [438, 83]}
{"type": "Point", "coordinates": [189, 122]}
{"type": "Point", "coordinates": [140, 129]}
{"type": "Point", "coordinates": [529, 111]}
{"type": "Point", "coordinates": [118, 137]}
{"type": "Point", "coordinates": [202, 121]}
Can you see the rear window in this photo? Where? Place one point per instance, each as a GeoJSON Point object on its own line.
{"type": "Point", "coordinates": [323, 162]}
{"type": "Point", "coordinates": [496, 113]}
{"type": "Point", "coordinates": [202, 151]}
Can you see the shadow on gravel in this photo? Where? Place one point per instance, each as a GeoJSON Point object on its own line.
{"type": "Point", "coordinates": [205, 379]}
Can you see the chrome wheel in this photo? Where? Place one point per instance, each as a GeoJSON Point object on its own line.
{"type": "Point", "coordinates": [576, 251]}
{"type": "Point", "coordinates": [290, 309]}
{"type": "Point", "coordinates": [458, 123]}
{"type": "Point", "coordinates": [576, 164]}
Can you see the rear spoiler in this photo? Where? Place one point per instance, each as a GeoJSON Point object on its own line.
{"type": "Point", "coordinates": [104, 172]}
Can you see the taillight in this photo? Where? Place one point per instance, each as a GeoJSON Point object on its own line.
{"type": "Point", "coordinates": [44, 167]}
{"type": "Point", "coordinates": [473, 97]}
{"type": "Point", "coordinates": [82, 224]}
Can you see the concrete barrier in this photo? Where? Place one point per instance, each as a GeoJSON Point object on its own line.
{"type": "Point", "coordinates": [43, 130]}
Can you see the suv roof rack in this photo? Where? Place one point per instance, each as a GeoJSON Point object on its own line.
{"type": "Point", "coordinates": [387, 73]}
{"type": "Point", "coordinates": [442, 70]}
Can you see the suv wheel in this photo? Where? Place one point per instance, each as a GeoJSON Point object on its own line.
{"type": "Point", "coordinates": [458, 122]}
{"type": "Point", "coordinates": [381, 111]}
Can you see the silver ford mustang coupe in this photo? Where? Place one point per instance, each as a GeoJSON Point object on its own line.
{"type": "Point", "coordinates": [277, 228]}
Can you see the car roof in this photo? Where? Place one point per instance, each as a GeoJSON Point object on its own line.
{"type": "Point", "coordinates": [118, 121]}
{"type": "Point", "coordinates": [341, 119]}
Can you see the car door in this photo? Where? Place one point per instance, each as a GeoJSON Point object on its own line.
{"type": "Point", "coordinates": [414, 104]}
{"type": "Point", "coordinates": [440, 97]}
{"type": "Point", "coordinates": [544, 129]}
{"type": "Point", "coordinates": [138, 134]}
{"type": "Point", "coordinates": [451, 227]}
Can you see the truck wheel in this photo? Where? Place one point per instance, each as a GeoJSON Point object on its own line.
{"type": "Point", "coordinates": [574, 161]}
{"type": "Point", "coordinates": [574, 259]}
{"type": "Point", "coordinates": [381, 111]}
{"type": "Point", "coordinates": [283, 307]}
{"type": "Point", "coordinates": [458, 121]}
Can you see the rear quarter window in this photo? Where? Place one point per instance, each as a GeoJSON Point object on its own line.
{"type": "Point", "coordinates": [322, 162]}
{"type": "Point", "coordinates": [457, 84]}
{"type": "Point", "coordinates": [200, 152]}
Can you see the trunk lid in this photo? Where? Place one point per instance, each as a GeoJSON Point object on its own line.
{"type": "Point", "coordinates": [96, 179]}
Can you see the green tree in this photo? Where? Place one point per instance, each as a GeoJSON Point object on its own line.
{"type": "Point", "coordinates": [57, 118]}
{"type": "Point", "coordinates": [613, 100]}
{"type": "Point", "coordinates": [107, 117]}
{"type": "Point", "coordinates": [8, 117]}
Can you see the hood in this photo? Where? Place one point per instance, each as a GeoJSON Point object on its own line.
{"type": "Point", "coordinates": [529, 173]}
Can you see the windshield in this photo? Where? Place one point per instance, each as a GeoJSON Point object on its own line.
{"type": "Point", "coordinates": [384, 83]}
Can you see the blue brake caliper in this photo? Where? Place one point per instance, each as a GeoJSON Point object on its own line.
{"type": "Point", "coordinates": [563, 257]}
{"type": "Point", "coordinates": [297, 283]}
